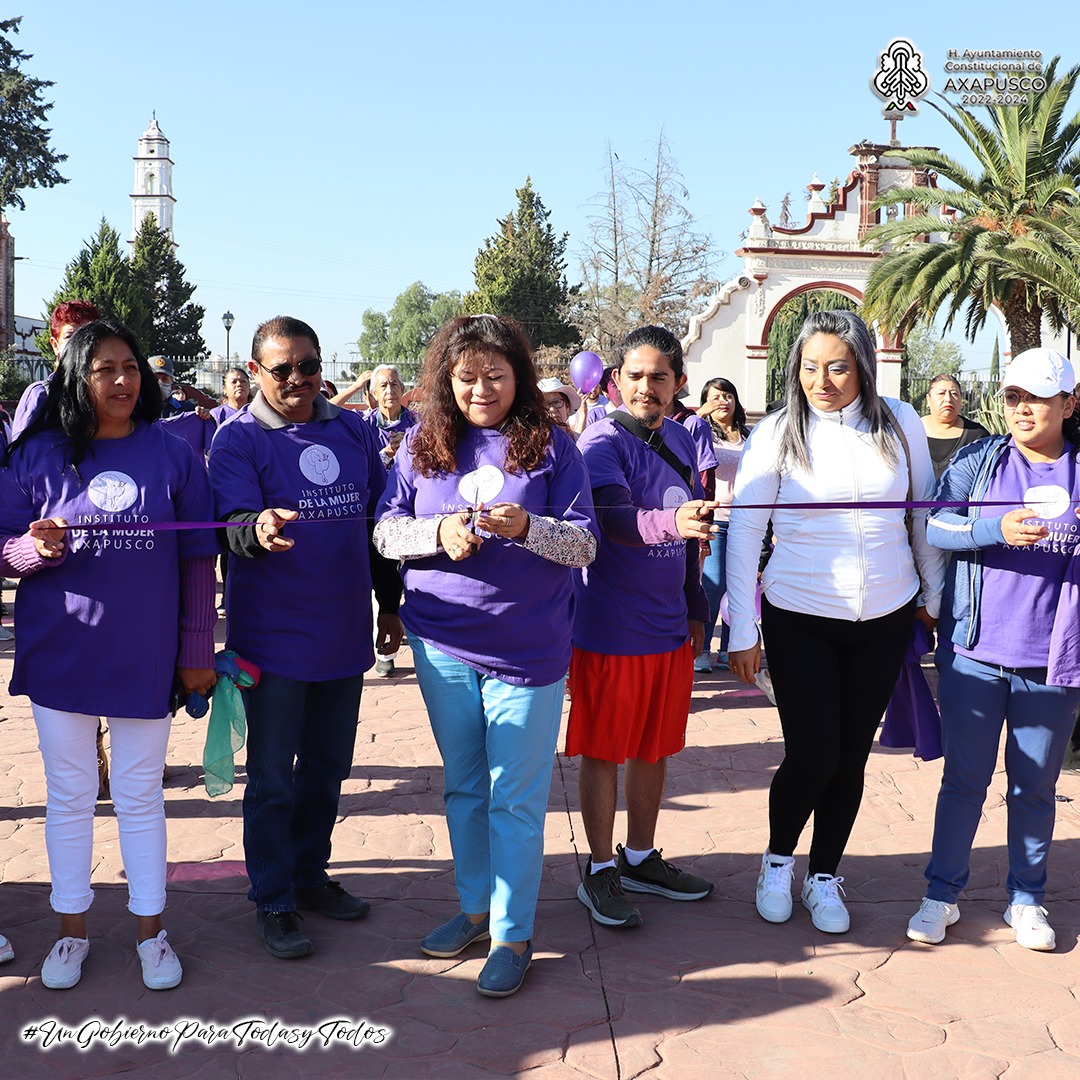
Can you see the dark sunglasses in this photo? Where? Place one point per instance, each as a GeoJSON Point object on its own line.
{"type": "Point", "coordinates": [282, 371]}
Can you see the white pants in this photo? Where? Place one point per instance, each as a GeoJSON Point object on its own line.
{"type": "Point", "coordinates": [68, 744]}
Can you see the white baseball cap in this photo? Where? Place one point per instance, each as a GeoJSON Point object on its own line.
{"type": "Point", "coordinates": [1041, 372]}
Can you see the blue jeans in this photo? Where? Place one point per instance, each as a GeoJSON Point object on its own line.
{"type": "Point", "coordinates": [714, 578]}
{"type": "Point", "coordinates": [299, 750]}
{"type": "Point", "coordinates": [498, 747]}
{"type": "Point", "coordinates": [975, 698]}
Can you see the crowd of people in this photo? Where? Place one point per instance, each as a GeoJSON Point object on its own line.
{"type": "Point", "coordinates": [533, 540]}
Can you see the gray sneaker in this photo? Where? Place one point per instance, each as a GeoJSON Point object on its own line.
{"type": "Point", "coordinates": [602, 893]}
{"type": "Point", "coordinates": [384, 667]}
{"type": "Point", "coordinates": [656, 875]}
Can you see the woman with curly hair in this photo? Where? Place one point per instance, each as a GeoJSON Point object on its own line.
{"type": "Point", "coordinates": [488, 505]}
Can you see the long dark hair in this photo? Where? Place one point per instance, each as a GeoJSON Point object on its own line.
{"type": "Point", "coordinates": [726, 386]}
{"type": "Point", "coordinates": [68, 407]}
{"type": "Point", "coordinates": [795, 418]}
{"type": "Point", "coordinates": [528, 425]}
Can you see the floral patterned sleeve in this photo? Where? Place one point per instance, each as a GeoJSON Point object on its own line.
{"type": "Point", "coordinates": [408, 537]}
{"type": "Point", "coordinates": [560, 541]}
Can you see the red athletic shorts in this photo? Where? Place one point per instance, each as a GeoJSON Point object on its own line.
{"type": "Point", "coordinates": [629, 706]}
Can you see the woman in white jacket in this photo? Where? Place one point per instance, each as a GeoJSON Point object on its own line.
{"type": "Point", "coordinates": [840, 592]}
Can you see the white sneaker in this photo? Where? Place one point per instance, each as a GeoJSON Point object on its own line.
{"type": "Point", "coordinates": [161, 968]}
{"type": "Point", "coordinates": [1032, 929]}
{"type": "Point", "coordinates": [6, 951]}
{"type": "Point", "coordinates": [702, 663]}
{"type": "Point", "coordinates": [63, 966]}
{"type": "Point", "coordinates": [821, 897]}
{"type": "Point", "coordinates": [929, 922]}
{"type": "Point", "coordinates": [774, 887]}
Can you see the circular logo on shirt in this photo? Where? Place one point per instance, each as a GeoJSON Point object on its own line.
{"type": "Point", "coordinates": [674, 497]}
{"type": "Point", "coordinates": [1047, 500]}
{"type": "Point", "coordinates": [319, 464]}
{"type": "Point", "coordinates": [113, 492]}
{"type": "Point", "coordinates": [481, 485]}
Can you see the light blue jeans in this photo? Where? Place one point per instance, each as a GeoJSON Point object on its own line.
{"type": "Point", "coordinates": [714, 579]}
{"type": "Point", "coordinates": [498, 747]}
{"type": "Point", "coordinates": [975, 699]}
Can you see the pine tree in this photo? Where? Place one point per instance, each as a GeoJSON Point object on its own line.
{"type": "Point", "coordinates": [26, 159]}
{"type": "Point", "coordinates": [101, 274]}
{"type": "Point", "coordinates": [995, 364]}
{"type": "Point", "coordinates": [521, 273]}
{"type": "Point", "coordinates": [173, 326]}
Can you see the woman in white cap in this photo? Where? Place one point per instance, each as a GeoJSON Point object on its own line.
{"type": "Point", "coordinates": [992, 670]}
{"type": "Point", "coordinates": [563, 401]}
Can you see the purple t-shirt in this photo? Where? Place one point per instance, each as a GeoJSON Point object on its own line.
{"type": "Point", "coordinates": [304, 613]}
{"type": "Point", "coordinates": [598, 412]}
{"type": "Point", "coordinates": [701, 434]}
{"type": "Point", "coordinates": [1027, 579]}
{"type": "Point", "coordinates": [504, 611]}
{"type": "Point", "coordinates": [195, 431]}
{"type": "Point", "coordinates": [31, 398]}
{"type": "Point", "coordinates": [631, 600]}
{"type": "Point", "coordinates": [383, 430]}
{"type": "Point", "coordinates": [223, 412]}
{"type": "Point", "coordinates": [99, 632]}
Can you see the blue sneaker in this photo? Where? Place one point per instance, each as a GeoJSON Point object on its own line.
{"type": "Point", "coordinates": [504, 972]}
{"type": "Point", "coordinates": [454, 936]}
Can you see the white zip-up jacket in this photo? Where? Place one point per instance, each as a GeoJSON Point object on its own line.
{"type": "Point", "coordinates": [853, 564]}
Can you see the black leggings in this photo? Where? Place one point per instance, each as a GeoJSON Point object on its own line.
{"type": "Point", "coordinates": [832, 680]}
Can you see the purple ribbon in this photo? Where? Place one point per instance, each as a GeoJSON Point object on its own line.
{"type": "Point", "coordinates": [920, 504]}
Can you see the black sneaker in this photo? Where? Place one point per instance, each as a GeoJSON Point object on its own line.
{"type": "Point", "coordinates": [656, 875]}
{"type": "Point", "coordinates": [281, 933]}
{"type": "Point", "coordinates": [602, 893]}
{"type": "Point", "coordinates": [331, 900]}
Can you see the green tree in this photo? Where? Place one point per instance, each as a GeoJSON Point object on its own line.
{"type": "Point", "coordinates": [785, 329]}
{"type": "Point", "coordinates": [1029, 168]}
{"type": "Point", "coordinates": [26, 159]}
{"type": "Point", "coordinates": [521, 273]}
{"type": "Point", "coordinates": [927, 354]}
{"type": "Point", "coordinates": [401, 336]}
{"type": "Point", "coordinates": [101, 274]}
{"type": "Point", "coordinates": [373, 337]}
{"type": "Point", "coordinates": [995, 364]}
{"type": "Point", "coordinates": [174, 321]}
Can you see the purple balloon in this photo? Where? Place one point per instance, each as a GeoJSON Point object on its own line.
{"type": "Point", "coordinates": [586, 370]}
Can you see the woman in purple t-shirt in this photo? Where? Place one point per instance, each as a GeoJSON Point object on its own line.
{"type": "Point", "coordinates": [1009, 651]}
{"type": "Point", "coordinates": [107, 617]}
{"type": "Point", "coordinates": [487, 503]}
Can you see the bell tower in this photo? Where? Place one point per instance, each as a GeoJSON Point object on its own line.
{"type": "Point", "coordinates": [153, 182]}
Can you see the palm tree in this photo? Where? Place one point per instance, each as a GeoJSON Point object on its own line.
{"type": "Point", "coordinates": [1030, 170]}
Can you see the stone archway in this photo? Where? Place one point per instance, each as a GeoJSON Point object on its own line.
{"type": "Point", "coordinates": [731, 337]}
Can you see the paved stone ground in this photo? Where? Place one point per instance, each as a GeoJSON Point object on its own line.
{"type": "Point", "coordinates": [700, 990]}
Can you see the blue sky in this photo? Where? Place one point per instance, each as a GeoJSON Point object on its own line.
{"type": "Point", "coordinates": [327, 154]}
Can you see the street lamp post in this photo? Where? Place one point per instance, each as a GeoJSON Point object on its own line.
{"type": "Point", "coordinates": [228, 320]}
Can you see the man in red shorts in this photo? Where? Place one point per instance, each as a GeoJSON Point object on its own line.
{"type": "Point", "coordinates": [639, 623]}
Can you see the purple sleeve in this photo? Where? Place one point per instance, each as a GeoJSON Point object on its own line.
{"type": "Point", "coordinates": [703, 444]}
{"type": "Point", "coordinates": [28, 403]}
{"type": "Point", "coordinates": [197, 614]}
{"type": "Point", "coordinates": [625, 523]}
{"type": "Point", "coordinates": [19, 557]}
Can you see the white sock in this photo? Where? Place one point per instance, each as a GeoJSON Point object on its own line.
{"type": "Point", "coordinates": [595, 868]}
{"type": "Point", "coordinates": [636, 858]}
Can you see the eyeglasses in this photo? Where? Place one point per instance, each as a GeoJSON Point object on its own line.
{"type": "Point", "coordinates": [281, 372]}
{"type": "Point", "coordinates": [1013, 400]}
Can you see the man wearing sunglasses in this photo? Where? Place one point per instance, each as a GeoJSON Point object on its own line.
{"type": "Point", "coordinates": [299, 477]}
